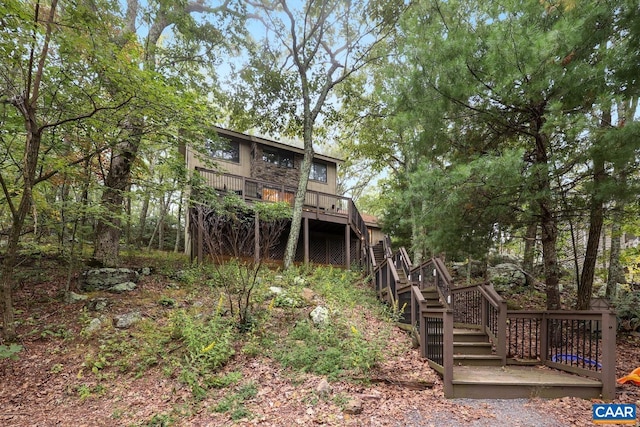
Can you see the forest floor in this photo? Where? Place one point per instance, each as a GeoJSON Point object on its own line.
{"type": "Point", "coordinates": [50, 383]}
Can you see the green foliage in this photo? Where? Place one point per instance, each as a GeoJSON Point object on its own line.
{"type": "Point", "coordinates": [234, 402]}
{"type": "Point", "coordinates": [10, 351]}
{"type": "Point", "coordinates": [627, 306]}
{"type": "Point", "coordinates": [167, 301]}
{"type": "Point", "coordinates": [344, 344]}
{"type": "Point", "coordinates": [160, 420]}
{"type": "Point", "coordinates": [208, 346]}
{"type": "Point", "coordinates": [239, 279]}
{"type": "Point", "coordinates": [86, 391]}
{"type": "Point", "coordinates": [331, 351]}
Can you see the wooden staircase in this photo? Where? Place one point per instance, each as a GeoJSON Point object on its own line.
{"type": "Point", "coordinates": [483, 350]}
{"type": "Point", "coordinates": [479, 373]}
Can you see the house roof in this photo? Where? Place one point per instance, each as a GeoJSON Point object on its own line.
{"type": "Point", "coordinates": [370, 220]}
{"type": "Point", "coordinates": [292, 145]}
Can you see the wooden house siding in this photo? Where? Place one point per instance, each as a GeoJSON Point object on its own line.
{"type": "Point", "coordinates": [333, 231]}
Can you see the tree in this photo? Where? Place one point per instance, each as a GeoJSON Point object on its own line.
{"type": "Point", "coordinates": [292, 72]}
{"type": "Point", "coordinates": [494, 96]}
{"type": "Point", "coordinates": [40, 83]}
{"type": "Point", "coordinates": [182, 63]}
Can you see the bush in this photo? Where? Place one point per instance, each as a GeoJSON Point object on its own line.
{"type": "Point", "coordinates": [627, 306]}
{"type": "Point", "coordinates": [208, 347]}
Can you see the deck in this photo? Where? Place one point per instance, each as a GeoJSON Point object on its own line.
{"type": "Point", "coordinates": [479, 382]}
{"type": "Point", "coordinates": [333, 230]}
{"type": "Point", "coordinates": [483, 350]}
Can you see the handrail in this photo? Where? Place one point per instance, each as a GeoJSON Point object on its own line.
{"type": "Point", "coordinates": [581, 342]}
{"type": "Point", "coordinates": [404, 261]}
{"type": "Point", "coordinates": [372, 257]}
{"type": "Point", "coordinates": [257, 189]}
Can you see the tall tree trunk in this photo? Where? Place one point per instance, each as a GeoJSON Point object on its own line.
{"type": "Point", "coordinates": [296, 219]}
{"type": "Point", "coordinates": [416, 232]}
{"type": "Point", "coordinates": [107, 241]}
{"type": "Point", "coordinates": [32, 148]}
{"type": "Point", "coordinates": [616, 270]}
{"type": "Point", "coordinates": [143, 218]}
{"type": "Point", "coordinates": [548, 224]}
{"type": "Point", "coordinates": [530, 251]}
{"type": "Point", "coordinates": [127, 233]}
{"type": "Point", "coordinates": [27, 105]}
{"type": "Point", "coordinates": [596, 217]}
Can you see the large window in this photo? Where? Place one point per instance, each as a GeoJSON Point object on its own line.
{"type": "Point", "coordinates": [225, 150]}
{"type": "Point", "coordinates": [318, 172]}
{"type": "Point", "coordinates": [277, 157]}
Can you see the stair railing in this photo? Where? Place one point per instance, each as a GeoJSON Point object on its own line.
{"type": "Point", "coordinates": [479, 306]}
{"type": "Point", "coordinates": [403, 262]}
{"type": "Point", "coordinates": [434, 273]}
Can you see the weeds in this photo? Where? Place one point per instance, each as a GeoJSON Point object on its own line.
{"type": "Point", "coordinates": [234, 403]}
{"type": "Point", "coordinates": [10, 351]}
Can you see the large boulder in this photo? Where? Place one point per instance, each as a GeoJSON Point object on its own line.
{"type": "Point", "coordinates": [100, 279]}
{"type": "Point", "coordinates": [461, 269]}
{"type": "Point", "coordinates": [506, 277]}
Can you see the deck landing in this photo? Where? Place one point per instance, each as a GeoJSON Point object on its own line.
{"type": "Point", "coordinates": [520, 382]}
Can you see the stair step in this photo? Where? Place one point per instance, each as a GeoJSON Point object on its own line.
{"type": "Point", "coordinates": [469, 335]}
{"type": "Point", "coordinates": [467, 348]}
{"type": "Point", "coordinates": [477, 360]}
{"type": "Point", "coordinates": [478, 382]}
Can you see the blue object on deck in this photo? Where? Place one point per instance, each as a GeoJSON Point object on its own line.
{"type": "Point", "coordinates": [575, 358]}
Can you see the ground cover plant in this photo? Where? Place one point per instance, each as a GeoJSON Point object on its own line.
{"type": "Point", "coordinates": [190, 361]}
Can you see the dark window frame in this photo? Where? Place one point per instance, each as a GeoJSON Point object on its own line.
{"type": "Point", "coordinates": [313, 173]}
{"type": "Point", "coordinates": [224, 149]}
{"type": "Point", "coordinates": [278, 157]}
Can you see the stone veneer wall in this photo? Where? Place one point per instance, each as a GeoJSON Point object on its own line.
{"type": "Point", "coordinates": [278, 174]}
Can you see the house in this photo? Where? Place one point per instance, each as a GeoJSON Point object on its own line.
{"type": "Point", "coordinates": [259, 169]}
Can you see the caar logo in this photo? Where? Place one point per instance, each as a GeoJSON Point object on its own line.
{"type": "Point", "coordinates": [614, 413]}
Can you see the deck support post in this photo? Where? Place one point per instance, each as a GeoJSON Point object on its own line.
{"type": "Point", "coordinates": [608, 355]}
{"type": "Point", "coordinates": [447, 353]}
{"type": "Point", "coordinates": [347, 246]}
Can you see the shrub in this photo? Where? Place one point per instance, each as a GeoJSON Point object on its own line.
{"type": "Point", "coordinates": [207, 347]}
{"type": "Point", "coordinates": [628, 310]}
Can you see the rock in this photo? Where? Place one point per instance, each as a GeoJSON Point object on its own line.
{"type": "Point", "coordinates": [127, 320]}
{"type": "Point", "coordinates": [97, 304]}
{"type": "Point", "coordinates": [122, 287]}
{"type": "Point", "coordinates": [320, 316]}
{"type": "Point", "coordinates": [93, 326]}
{"type": "Point", "coordinates": [276, 290]}
{"type": "Point", "coordinates": [462, 269]}
{"type": "Point", "coordinates": [145, 271]}
{"type": "Point", "coordinates": [308, 295]}
{"type": "Point", "coordinates": [506, 277]}
{"type": "Point", "coordinates": [298, 281]}
{"type": "Point", "coordinates": [496, 259]}
{"type": "Point", "coordinates": [77, 297]}
{"type": "Point", "coordinates": [353, 407]}
{"type": "Point", "coordinates": [323, 388]}
{"type": "Point", "coordinates": [104, 278]}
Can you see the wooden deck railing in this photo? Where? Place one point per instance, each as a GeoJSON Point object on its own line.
{"type": "Point", "coordinates": [257, 190]}
{"type": "Point", "coordinates": [580, 342]}
{"type": "Point", "coordinates": [317, 205]}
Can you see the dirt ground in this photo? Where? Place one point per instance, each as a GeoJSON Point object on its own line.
{"type": "Point", "coordinates": [49, 386]}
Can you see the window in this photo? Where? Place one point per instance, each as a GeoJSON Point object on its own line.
{"type": "Point", "coordinates": [318, 172]}
{"type": "Point", "coordinates": [277, 157]}
{"type": "Point", "coordinates": [225, 150]}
